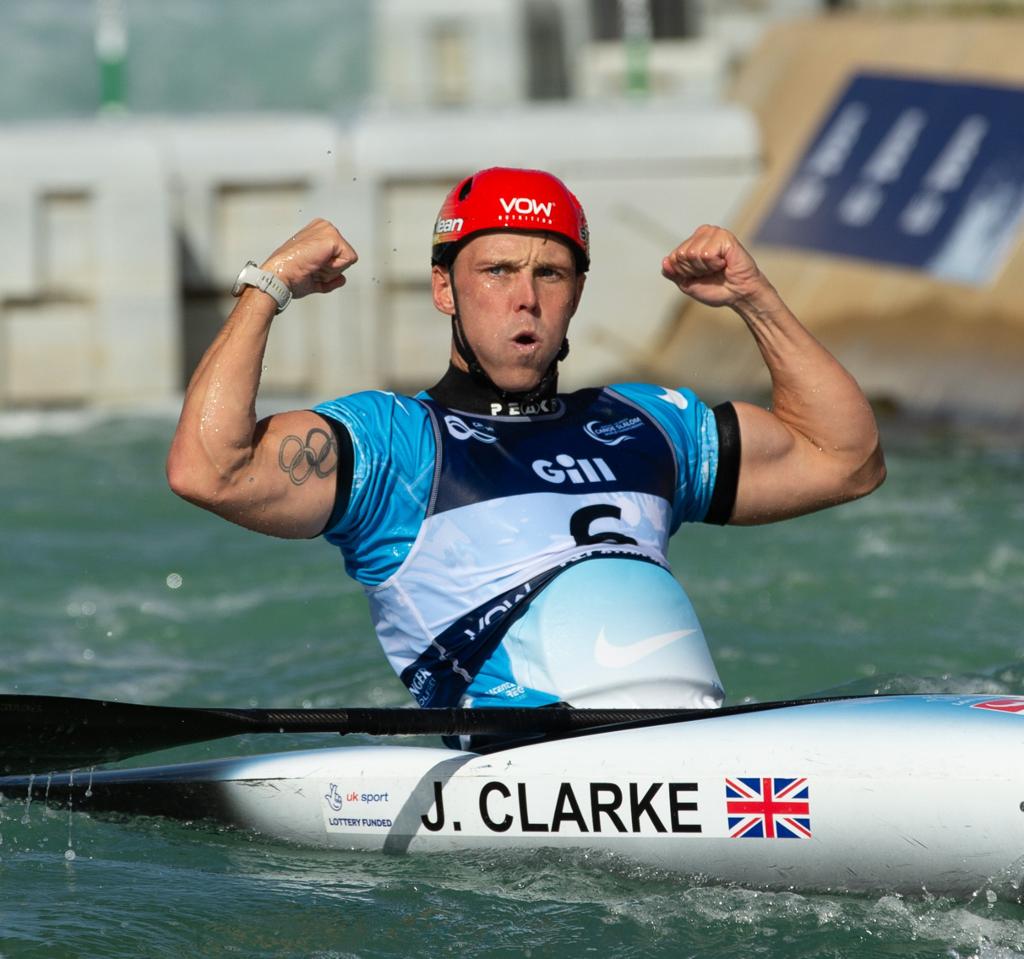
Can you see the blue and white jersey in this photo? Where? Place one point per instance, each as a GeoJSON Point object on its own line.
{"type": "Point", "coordinates": [523, 560]}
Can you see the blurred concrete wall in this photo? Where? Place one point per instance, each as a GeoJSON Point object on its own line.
{"type": "Point", "coordinates": [910, 338]}
{"type": "Point", "coordinates": [120, 240]}
{"type": "Point", "coordinates": [89, 298]}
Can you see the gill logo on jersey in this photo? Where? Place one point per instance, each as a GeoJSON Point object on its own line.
{"type": "Point", "coordinates": [577, 471]}
{"type": "Point", "coordinates": [461, 430]}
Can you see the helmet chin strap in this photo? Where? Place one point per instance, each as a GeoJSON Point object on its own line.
{"type": "Point", "coordinates": [547, 385]}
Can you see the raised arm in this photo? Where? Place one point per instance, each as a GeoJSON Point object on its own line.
{"type": "Point", "coordinates": [276, 476]}
{"type": "Point", "coordinates": [818, 444]}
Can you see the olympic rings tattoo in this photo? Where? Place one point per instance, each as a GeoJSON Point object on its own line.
{"type": "Point", "coordinates": [301, 459]}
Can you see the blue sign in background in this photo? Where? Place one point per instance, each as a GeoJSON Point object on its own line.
{"type": "Point", "coordinates": [919, 173]}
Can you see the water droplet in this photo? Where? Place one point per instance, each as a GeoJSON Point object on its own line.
{"type": "Point", "coordinates": [28, 798]}
{"type": "Point", "coordinates": [174, 581]}
{"type": "Point", "coordinates": [69, 855]}
{"type": "Point", "coordinates": [990, 896]}
{"type": "Point", "coordinates": [88, 655]}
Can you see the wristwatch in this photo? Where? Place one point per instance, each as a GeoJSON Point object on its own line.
{"type": "Point", "coordinates": [252, 275]}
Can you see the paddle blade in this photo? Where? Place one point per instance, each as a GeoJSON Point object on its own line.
{"type": "Point", "coordinates": [40, 734]}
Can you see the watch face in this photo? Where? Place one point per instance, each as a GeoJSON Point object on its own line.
{"type": "Point", "coordinates": [252, 275]}
{"type": "Point", "coordinates": [240, 284]}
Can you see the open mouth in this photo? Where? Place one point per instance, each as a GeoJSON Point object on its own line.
{"type": "Point", "coordinates": [525, 339]}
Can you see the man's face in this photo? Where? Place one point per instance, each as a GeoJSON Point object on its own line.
{"type": "Point", "coordinates": [516, 294]}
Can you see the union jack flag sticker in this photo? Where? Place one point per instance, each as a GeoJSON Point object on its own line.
{"type": "Point", "coordinates": [1001, 705]}
{"type": "Point", "coordinates": [768, 808]}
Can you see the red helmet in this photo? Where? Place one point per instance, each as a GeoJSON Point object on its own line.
{"type": "Point", "coordinates": [504, 198]}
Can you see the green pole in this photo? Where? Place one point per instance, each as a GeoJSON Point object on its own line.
{"type": "Point", "coordinates": [111, 53]}
{"type": "Point", "coordinates": [636, 36]}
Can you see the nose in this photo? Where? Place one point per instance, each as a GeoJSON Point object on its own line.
{"type": "Point", "coordinates": [526, 292]}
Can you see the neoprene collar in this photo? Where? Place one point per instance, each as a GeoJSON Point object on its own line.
{"type": "Point", "coordinates": [459, 390]}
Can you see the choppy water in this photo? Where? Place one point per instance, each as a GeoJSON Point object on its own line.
{"type": "Point", "coordinates": [113, 588]}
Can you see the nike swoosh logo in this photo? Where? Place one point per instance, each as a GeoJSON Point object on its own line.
{"type": "Point", "coordinates": [619, 657]}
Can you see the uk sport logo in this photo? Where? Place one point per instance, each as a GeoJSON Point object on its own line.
{"type": "Point", "coordinates": [769, 807]}
{"type": "Point", "coordinates": [334, 799]}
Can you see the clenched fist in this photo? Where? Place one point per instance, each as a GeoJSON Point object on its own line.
{"type": "Point", "coordinates": [314, 260]}
{"type": "Point", "coordinates": [714, 268]}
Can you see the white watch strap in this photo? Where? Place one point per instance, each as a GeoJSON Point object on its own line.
{"type": "Point", "coordinates": [264, 280]}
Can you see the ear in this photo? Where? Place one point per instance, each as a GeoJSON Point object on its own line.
{"type": "Point", "coordinates": [441, 285]}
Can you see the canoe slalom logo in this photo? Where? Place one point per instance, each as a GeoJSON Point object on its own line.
{"type": "Point", "coordinates": [768, 807]}
{"type": "Point", "coordinates": [611, 434]}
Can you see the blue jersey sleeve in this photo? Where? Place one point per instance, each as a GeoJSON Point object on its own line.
{"type": "Point", "coordinates": [690, 427]}
{"type": "Point", "coordinates": [393, 450]}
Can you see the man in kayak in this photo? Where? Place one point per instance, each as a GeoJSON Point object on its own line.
{"type": "Point", "coordinates": [512, 540]}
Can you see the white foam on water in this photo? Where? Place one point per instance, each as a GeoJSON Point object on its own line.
{"type": "Point", "coordinates": [29, 423]}
{"type": "Point", "coordinates": [24, 424]}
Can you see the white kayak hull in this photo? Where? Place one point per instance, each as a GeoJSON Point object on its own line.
{"type": "Point", "coordinates": [905, 793]}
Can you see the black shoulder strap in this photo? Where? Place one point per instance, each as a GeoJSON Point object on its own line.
{"type": "Point", "coordinates": [723, 499]}
{"type": "Point", "coordinates": [346, 467]}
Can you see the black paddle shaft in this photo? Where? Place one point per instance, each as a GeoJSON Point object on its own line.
{"type": "Point", "coordinates": [47, 733]}
{"type": "Point", "coordinates": [40, 734]}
